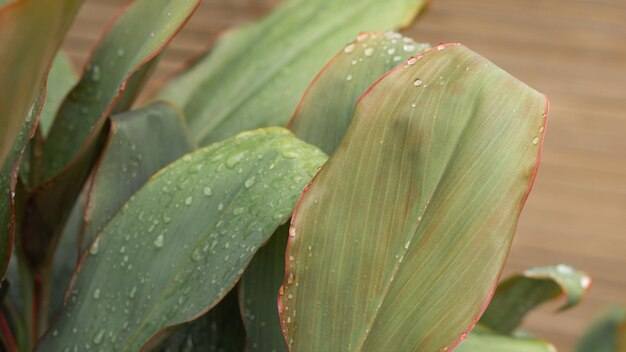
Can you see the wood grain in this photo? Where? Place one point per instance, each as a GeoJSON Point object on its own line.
{"type": "Point", "coordinates": [572, 50]}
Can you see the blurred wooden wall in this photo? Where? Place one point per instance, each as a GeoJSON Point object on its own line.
{"type": "Point", "coordinates": [572, 50]}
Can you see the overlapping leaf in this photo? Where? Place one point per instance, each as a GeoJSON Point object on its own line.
{"type": "Point", "coordinates": [61, 80]}
{"type": "Point", "coordinates": [44, 23]}
{"type": "Point", "coordinates": [518, 295]}
{"type": "Point", "coordinates": [255, 75]}
{"type": "Point", "coordinates": [133, 39]}
{"type": "Point", "coordinates": [207, 213]}
{"type": "Point", "coordinates": [258, 289]}
{"type": "Point", "coordinates": [399, 240]}
{"type": "Point", "coordinates": [140, 142]}
{"type": "Point", "coordinates": [326, 109]}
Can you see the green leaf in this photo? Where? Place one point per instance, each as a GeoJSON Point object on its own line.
{"type": "Point", "coordinates": [520, 294]}
{"type": "Point", "coordinates": [24, 63]}
{"type": "Point", "coordinates": [258, 290]}
{"type": "Point", "coordinates": [140, 142]}
{"type": "Point", "coordinates": [220, 329]}
{"type": "Point", "coordinates": [61, 79]}
{"type": "Point", "coordinates": [8, 181]}
{"type": "Point", "coordinates": [606, 334]}
{"type": "Point", "coordinates": [321, 118]}
{"type": "Point", "coordinates": [398, 241]}
{"type": "Point", "coordinates": [207, 213]}
{"type": "Point", "coordinates": [135, 37]}
{"type": "Point", "coordinates": [489, 342]}
{"type": "Point", "coordinates": [255, 75]}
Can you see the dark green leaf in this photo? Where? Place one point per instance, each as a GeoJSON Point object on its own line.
{"type": "Point", "coordinates": [219, 330]}
{"type": "Point", "coordinates": [398, 241]}
{"type": "Point", "coordinates": [258, 290]}
{"type": "Point", "coordinates": [322, 118]}
{"type": "Point", "coordinates": [255, 75]}
{"type": "Point", "coordinates": [61, 79]}
{"type": "Point", "coordinates": [207, 214]}
{"type": "Point", "coordinates": [518, 295]}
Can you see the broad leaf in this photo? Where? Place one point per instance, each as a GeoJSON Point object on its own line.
{"type": "Point", "coordinates": [606, 334]}
{"type": "Point", "coordinates": [25, 63]}
{"type": "Point", "coordinates": [258, 289]}
{"type": "Point", "coordinates": [490, 342]}
{"type": "Point", "coordinates": [398, 242]}
{"type": "Point", "coordinates": [327, 107]}
{"type": "Point", "coordinates": [207, 213]}
{"type": "Point", "coordinates": [520, 294]}
{"type": "Point", "coordinates": [134, 38]}
{"type": "Point", "coordinates": [140, 142]}
{"type": "Point", "coordinates": [255, 75]}
{"type": "Point", "coordinates": [220, 330]}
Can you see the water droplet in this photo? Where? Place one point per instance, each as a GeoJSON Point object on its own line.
{"type": "Point", "coordinates": [120, 52]}
{"type": "Point", "coordinates": [536, 140]}
{"type": "Point", "coordinates": [411, 61]}
{"type": "Point", "coordinates": [152, 34]}
{"type": "Point", "coordinates": [55, 332]}
{"type": "Point", "coordinates": [96, 293]}
{"type": "Point", "coordinates": [95, 73]}
{"type": "Point", "coordinates": [132, 292]}
{"type": "Point", "coordinates": [99, 337]}
{"type": "Point", "coordinates": [418, 82]}
{"type": "Point", "coordinates": [238, 211]}
{"type": "Point", "coordinates": [397, 58]}
{"type": "Point", "coordinates": [407, 244]}
{"type": "Point", "coordinates": [93, 250]}
{"type": "Point", "coordinates": [369, 52]}
{"type": "Point", "coordinates": [250, 182]}
{"type": "Point", "coordinates": [196, 255]}
{"type": "Point", "coordinates": [409, 47]}
{"type": "Point", "coordinates": [234, 159]}
{"type": "Point", "coordinates": [391, 51]}
{"type": "Point", "coordinates": [413, 105]}
{"type": "Point", "coordinates": [541, 129]}
{"type": "Point", "coordinates": [585, 281]}
{"type": "Point", "coordinates": [290, 278]}
{"type": "Point", "coordinates": [441, 47]}
{"type": "Point", "coordinates": [281, 290]}
{"type": "Point", "coordinates": [207, 191]}
{"type": "Point", "coordinates": [362, 36]}
{"type": "Point", "coordinates": [158, 242]}
{"type": "Point", "coordinates": [189, 200]}
{"type": "Point", "coordinates": [349, 48]}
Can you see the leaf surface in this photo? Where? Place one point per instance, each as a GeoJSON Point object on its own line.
{"type": "Point", "coordinates": [61, 80]}
{"type": "Point", "coordinates": [398, 241]}
{"type": "Point", "coordinates": [140, 142]}
{"type": "Point", "coordinates": [183, 240]}
{"type": "Point", "coordinates": [518, 295]}
{"type": "Point", "coordinates": [256, 74]}
{"type": "Point", "coordinates": [258, 289]}
{"type": "Point", "coordinates": [135, 37]}
{"type": "Point", "coordinates": [44, 23]}
{"type": "Point", "coordinates": [322, 118]}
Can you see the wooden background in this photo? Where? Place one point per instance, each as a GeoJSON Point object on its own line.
{"type": "Point", "coordinates": [572, 50]}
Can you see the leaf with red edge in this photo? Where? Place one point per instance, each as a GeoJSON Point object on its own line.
{"type": "Point", "coordinates": [44, 23]}
{"type": "Point", "coordinates": [399, 240]}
